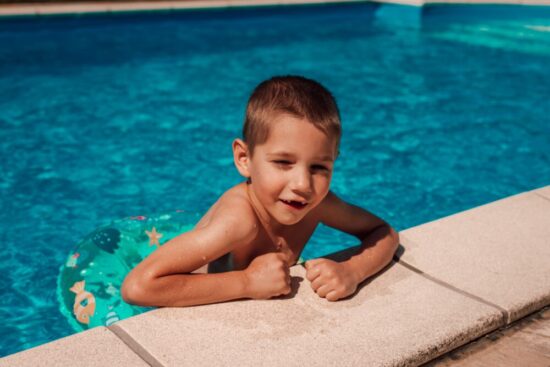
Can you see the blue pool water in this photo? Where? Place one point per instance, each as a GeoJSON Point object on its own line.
{"type": "Point", "coordinates": [103, 117]}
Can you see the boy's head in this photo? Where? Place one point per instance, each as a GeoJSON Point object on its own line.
{"type": "Point", "coordinates": [291, 136]}
{"type": "Point", "coordinates": [297, 96]}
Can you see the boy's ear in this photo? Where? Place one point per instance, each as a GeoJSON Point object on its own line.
{"type": "Point", "coordinates": [241, 157]}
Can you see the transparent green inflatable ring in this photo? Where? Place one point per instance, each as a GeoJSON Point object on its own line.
{"type": "Point", "coordinates": [88, 285]}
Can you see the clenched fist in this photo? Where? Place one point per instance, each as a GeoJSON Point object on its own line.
{"type": "Point", "coordinates": [330, 279]}
{"type": "Point", "coordinates": [268, 276]}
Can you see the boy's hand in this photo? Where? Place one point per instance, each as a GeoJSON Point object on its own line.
{"type": "Point", "coordinates": [268, 276]}
{"type": "Point", "coordinates": [330, 279]}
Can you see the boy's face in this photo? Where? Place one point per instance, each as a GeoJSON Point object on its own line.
{"type": "Point", "coordinates": [291, 171]}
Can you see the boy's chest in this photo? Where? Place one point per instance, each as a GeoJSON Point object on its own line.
{"type": "Point", "coordinates": [291, 243]}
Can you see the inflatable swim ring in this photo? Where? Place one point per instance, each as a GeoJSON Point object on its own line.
{"type": "Point", "coordinates": [88, 285]}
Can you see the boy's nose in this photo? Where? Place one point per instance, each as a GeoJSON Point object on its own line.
{"type": "Point", "coordinates": [301, 182]}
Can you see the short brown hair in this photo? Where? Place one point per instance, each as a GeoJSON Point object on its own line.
{"type": "Point", "coordinates": [298, 96]}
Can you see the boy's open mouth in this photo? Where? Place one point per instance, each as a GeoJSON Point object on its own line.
{"type": "Point", "coordinates": [294, 204]}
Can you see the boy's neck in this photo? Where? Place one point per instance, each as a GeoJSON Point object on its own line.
{"type": "Point", "coordinates": [271, 226]}
{"type": "Point", "coordinates": [273, 229]}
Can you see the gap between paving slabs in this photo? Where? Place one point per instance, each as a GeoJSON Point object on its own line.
{"type": "Point", "coordinates": [346, 253]}
{"type": "Point", "coordinates": [498, 252]}
{"type": "Point", "coordinates": [339, 256]}
{"type": "Point", "coordinates": [504, 319]}
{"type": "Point", "coordinates": [412, 357]}
{"type": "Point", "coordinates": [503, 311]}
{"type": "Point", "coordinates": [134, 346]}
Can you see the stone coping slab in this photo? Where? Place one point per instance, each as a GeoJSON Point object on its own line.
{"type": "Point", "coordinates": [497, 252]}
{"type": "Point", "coordinates": [457, 278]}
{"type": "Point", "coordinates": [94, 347]}
{"type": "Point", "coordinates": [397, 319]}
{"type": "Point", "coordinates": [123, 6]}
{"type": "Point", "coordinates": [78, 7]}
{"type": "Point", "coordinates": [544, 192]}
{"type": "Point", "coordinates": [523, 343]}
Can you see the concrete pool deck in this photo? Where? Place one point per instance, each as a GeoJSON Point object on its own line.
{"type": "Point", "coordinates": [452, 281]}
{"type": "Point", "coordinates": [81, 7]}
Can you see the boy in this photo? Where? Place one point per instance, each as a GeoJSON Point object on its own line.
{"type": "Point", "coordinates": [256, 230]}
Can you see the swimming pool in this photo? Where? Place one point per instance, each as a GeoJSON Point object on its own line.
{"type": "Point", "coordinates": [103, 117]}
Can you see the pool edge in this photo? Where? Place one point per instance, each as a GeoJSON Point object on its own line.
{"type": "Point", "coordinates": [35, 9]}
{"type": "Point", "coordinates": [49, 352]}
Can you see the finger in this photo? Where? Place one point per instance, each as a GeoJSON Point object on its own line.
{"type": "Point", "coordinates": [285, 258]}
{"type": "Point", "coordinates": [312, 273]}
{"type": "Point", "coordinates": [324, 290]}
{"type": "Point", "coordinates": [332, 296]}
{"type": "Point", "coordinates": [288, 261]}
{"type": "Point", "coordinates": [287, 271]}
{"type": "Point", "coordinates": [283, 266]}
{"type": "Point", "coordinates": [315, 284]}
{"type": "Point", "coordinates": [310, 263]}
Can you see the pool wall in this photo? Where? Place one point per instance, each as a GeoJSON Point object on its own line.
{"type": "Point", "coordinates": [452, 281]}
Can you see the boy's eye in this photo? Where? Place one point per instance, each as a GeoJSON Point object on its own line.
{"type": "Point", "coordinates": [282, 162]}
{"type": "Point", "coordinates": [319, 167]}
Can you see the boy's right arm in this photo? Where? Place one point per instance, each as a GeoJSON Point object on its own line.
{"type": "Point", "coordinates": [164, 279]}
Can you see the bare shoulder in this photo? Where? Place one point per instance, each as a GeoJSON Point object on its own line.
{"type": "Point", "coordinates": [228, 224]}
{"type": "Point", "coordinates": [233, 214]}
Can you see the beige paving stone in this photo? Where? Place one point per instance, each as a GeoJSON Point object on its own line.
{"type": "Point", "coordinates": [94, 347]}
{"type": "Point", "coordinates": [103, 6]}
{"type": "Point", "coordinates": [543, 191]}
{"type": "Point", "coordinates": [499, 252]}
{"type": "Point", "coordinates": [398, 319]}
{"type": "Point", "coordinates": [524, 343]}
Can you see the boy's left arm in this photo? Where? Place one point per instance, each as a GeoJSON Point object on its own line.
{"type": "Point", "coordinates": [335, 280]}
